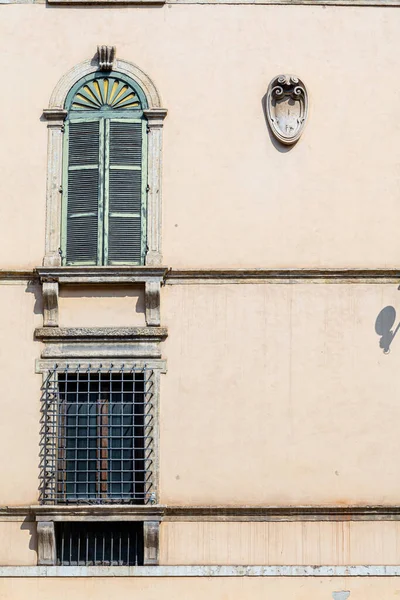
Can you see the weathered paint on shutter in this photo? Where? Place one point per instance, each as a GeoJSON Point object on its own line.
{"type": "Point", "coordinates": [82, 192]}
{"type": "Point", "coordinates": [125, 191]}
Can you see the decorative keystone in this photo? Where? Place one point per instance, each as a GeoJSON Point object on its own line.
{"type": "Point", "coordinates": [106, 55]}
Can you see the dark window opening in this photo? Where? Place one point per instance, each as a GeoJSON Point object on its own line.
{"type": "Point", "coordinates": [99, 544]}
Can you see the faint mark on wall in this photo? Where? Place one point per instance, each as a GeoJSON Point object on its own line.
{"type": "Point", "coordinates": [384, 327]}
{"type": "Point", "coordinates": [340, 595]}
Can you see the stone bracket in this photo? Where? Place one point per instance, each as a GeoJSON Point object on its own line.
{"type": "Point", "coordinates": [151, 531]}
{"type": "Point", "coordinates": [46, 541]}
{"type": "Point", "coordinates": [50, 302]}
{"type": "Point", "coordinates": [152, 303]}
{"type": "Point", "coordinates": [106, 56]}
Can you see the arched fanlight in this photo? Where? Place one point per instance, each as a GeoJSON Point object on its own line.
{"type": "Point", "coordinates": [106, 92]}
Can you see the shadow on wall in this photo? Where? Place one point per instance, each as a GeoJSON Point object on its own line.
{"type": "Point", "coordinates": [36, 290]}
{"type": "Point", "coordinates": [31, 527]}
{"type": "Point", "coordinates": [384, 327]}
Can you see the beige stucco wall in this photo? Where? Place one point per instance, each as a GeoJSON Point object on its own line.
{"type": "Point", "coordinates": [279, 394]}
{"type": "Point", "coordinates": [275, 394]}
{"type": "Point", "coordinates": [230, 197]}
{"type": "Point", "coordinates": [244, 543]}
{"type": "Point", "coordinates": [18, 543]}
{"type": "Point", "coordinates": [98, 306]}
{"type": "Point", "coordinates": [258, 588]}
{"type": "Point", "coordinates": [292, 543]}
{"type": "Point", "coordinates": [20, 311]}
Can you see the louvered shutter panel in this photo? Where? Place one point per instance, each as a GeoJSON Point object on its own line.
{"type": "Point", "coordinates": [83, 183]}
{"type": "Point", "coordinates": [124, 240]}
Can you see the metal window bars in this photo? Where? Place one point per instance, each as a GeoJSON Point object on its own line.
{"type": "Point", "coordinates": [102, 544]}
{"type": "Point", "coordinates": [97, 435]}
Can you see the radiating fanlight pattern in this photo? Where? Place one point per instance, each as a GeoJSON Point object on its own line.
{"type": "Point", "coordinates": [106, 92]}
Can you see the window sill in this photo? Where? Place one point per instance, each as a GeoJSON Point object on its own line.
{"type": "Point", "coordinates": [105, 512]}
{"type": "Point", "coordinates": [102, 275]}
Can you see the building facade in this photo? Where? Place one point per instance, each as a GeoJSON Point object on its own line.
{"type": "Point", "coordinates": [198, 311]}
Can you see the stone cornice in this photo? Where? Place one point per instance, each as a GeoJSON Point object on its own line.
{"type": "Point", "coordinates": [64, 343]}
{"type": "Point", "coordinates": [282, 513]}
{"type": "Point", "coordinates": [204, 513]}
{"type": "Point", "coordinates": [17, 275]}
{"type": "Point", "coordinates": [132, 275]}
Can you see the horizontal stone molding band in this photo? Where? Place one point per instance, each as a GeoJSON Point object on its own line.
{"type": "Point", "coordinates": [199, 513]}
{"type": "Point", "coordinates": [121, 275]}
{"type": "Point", "coordinates": [370, 3]}
{"type": "Point", "coordinates": [180, 276]}
{"type": "Point", "coordinates": [204, 571]}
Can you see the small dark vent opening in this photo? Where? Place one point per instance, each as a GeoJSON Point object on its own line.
{"type": "Point", "coordinates": [99, 544]}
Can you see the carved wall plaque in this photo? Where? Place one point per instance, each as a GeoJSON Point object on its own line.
{"type": "Point", "coordinates": [287, 108]}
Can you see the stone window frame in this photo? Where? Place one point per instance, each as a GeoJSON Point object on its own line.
{"type": "Point", "coordinates": [46, 538]}
{"type": "Point", "coordinates": [93, 358]}
{"type": "Point", "coordinates": [55, 116]}
{"type": "Point", "coordinates": [150, 514]}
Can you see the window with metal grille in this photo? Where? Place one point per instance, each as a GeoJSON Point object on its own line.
{"type": "Point", "coordinates": [105, 172]}
{"type": "Point", "coordinates": [101, 544]}
{"type": "Point", "coordinates": [97, 436]}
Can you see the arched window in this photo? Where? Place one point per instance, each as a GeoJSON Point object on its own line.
{"type": "Point", "coordinates": [105, 122]}
{"type": "Point", "coordinates": [104, 172]}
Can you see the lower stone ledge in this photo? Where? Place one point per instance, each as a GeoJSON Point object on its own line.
{"type": "Point", "coordinates": [101, 342]}
{"type": "Point", "coordinates": [206, 571]}
{"type": "Point", "coordinates": [104, 512]}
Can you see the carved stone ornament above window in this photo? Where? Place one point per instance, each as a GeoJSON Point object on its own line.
{"type": "Point", "coordinates": [106, 56]}
{"type": "Point", "coordinates": [85, 90]}
{"type": "Point", "coordinates": [287, 108]}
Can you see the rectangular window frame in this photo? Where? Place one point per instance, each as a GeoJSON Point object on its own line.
{"type": "Point", "coordinates": [48, 490]}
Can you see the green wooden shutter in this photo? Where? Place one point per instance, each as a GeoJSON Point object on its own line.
{"type": "Point", "coordinates": [82, 202]}
{"type": "Point", "coordinates": [125, 187]}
